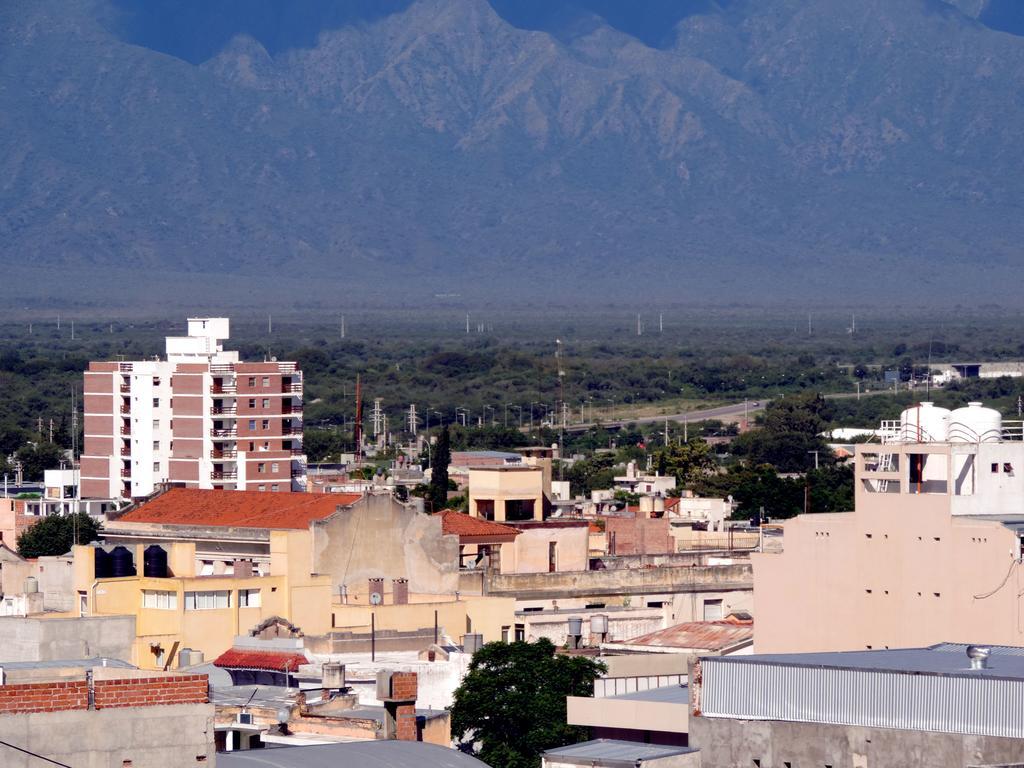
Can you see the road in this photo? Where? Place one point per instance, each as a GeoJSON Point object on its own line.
{"type": "Point", "coordinates": [722, 412]}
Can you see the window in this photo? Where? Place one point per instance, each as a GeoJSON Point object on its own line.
{"type": "Point", "coordinates": [266, 381]}
{"type": "Point", "coordinates": [505, 633]}
{"type": "Point", "coordinates": [266, 402]}
{"type": "Point", "coordinates": [520, 633]}
{"type": "Point", "coordinates": [252, 446]}
{"type": "Point", "coordinates": [995, 467]}
{"type": "Point", "coordinates": [261, 468]}
{"type": "Point", "coordinates": [712, 610]}
{"type": "Point", "coordinates": [164, 601]}
{"type": "Point", "coordinates": [156, 423]}
{"type": "Point", "coordinates": [252, 402]}
{"type": "Point", "coordinates": [274, 488]}
{"type": "Point", "coordinates": [252, 425]}
{"type": "Point", "coordinates": [275, 467]}
{"type": "Point", "coordinates": [1008, 468]}
{"type": "Point", "coordinates": [207, 601]}
{"type": "Point", "coordinates": [248, 598]}
{"type": "Point", "coordinates": [207, 568]}
{"type": "Point", "coordinates": [156, 466]}
{"type": "Point", "coordinates": [156, 402]}
{"type": "Point", "coordinates": [252, 381]}
{"type": "Point", "coordinates": [262, 487]}
{"type": "Point", "coordinates": [156, 381]}
{"type": "Point", "coordinates": [265, 424]}
{"type": "Point", "coordinates": [156, 445]}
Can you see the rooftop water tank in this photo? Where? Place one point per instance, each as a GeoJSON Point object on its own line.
{"type": "Point", "coordinates": [154, 562]}
{"type": "Point", "coordinates": [975, 424]}
{"type": "Point", "coordinates": [599, 624]}
{"type": "Point", "coordinates": [31, 585]}
{"type": "Point", "coordinates": [472, 642]}
{"type": "Point", "coordinates": [575, 626]}
{"type": "Point", "coordinates": [924, 423]}
{"type": "Point", "coordinates": [121, 562]}
{"type": "Point", "coordinates": [102, 560]}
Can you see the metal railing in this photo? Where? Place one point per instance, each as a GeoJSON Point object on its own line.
{"type": "Point", "coordinates": [895, 431]}
{"type": "Point", "coordinates": [229, 410]}
{"type": "Point", "coordinates": [224, 475]}
{"type": "Point", "coordinates": [221, 455]}
{"type": "Point", "coordinates": [223, 433]}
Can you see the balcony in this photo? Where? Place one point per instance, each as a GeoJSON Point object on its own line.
{"type": "Point", "coordinates": [224, 410]}
{"type": "Point", "coordinates": [226, 475]}
{"type": "Point", "coordinates": [225, 454]}
{"type": "Point", "coordinates": [298, 471]}
{"type": "Point", "coordinates": [297, 452]}
{"type": "Point", "coordinates": [126, 473]}
{"type": "Point", "coordinates": [125, 389]}
{"type": "Point", "coordinates": [224, 389]}
{"type": "Point", "coordinates": [294, 387]}
{"type": "Point", "coordinates": [126, 451]}
{"type": "Point", "coordinates": [221, 434]}
{"type": "Point", "coordinates": [126, 431]}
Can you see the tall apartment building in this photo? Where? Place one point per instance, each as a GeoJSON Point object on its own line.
{"type": "Point", "coordinates": [201, 417]}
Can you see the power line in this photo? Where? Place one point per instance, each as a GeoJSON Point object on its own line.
{"type": "Point", "coordinates": [33, 754]}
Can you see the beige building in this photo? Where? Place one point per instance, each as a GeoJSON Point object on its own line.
{"type": "Point", "coordinates": [931, 553]}
{"type": "Point", "coordinates": [507, 493]}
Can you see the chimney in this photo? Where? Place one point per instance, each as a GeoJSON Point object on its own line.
{"type": "Point", "coordinates": [333, 675]}
{"type": "Point", "coordinates": [400, 591]}
{"type": "Point", "coordinates": [398, 691]}
{"type": "Point", "coordinates": [659, 506]}
{"type": "Point", "coordinates": [377, 588]}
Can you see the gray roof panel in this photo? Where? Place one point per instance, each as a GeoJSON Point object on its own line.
{"type": "Point", "coordinates": [667, 694]}
{"type": "Point", "coordinates": [614, 751]}
{"type": "Point", "coordinates": [355, 754]}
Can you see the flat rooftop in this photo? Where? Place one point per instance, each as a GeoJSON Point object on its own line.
{"type": "Point", "coordinates": [667, 694]}
{"type": "Point", "coordinates": [940, 659]}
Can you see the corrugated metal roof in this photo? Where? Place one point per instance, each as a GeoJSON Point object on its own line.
{"type": "Point", "coordinates": [699, 635]}
{"type": "Point", "coordinates": [237, 509]}
{"type": "Point", "coordinates": [920, 689]}
{"type": "Point", "coordinates": [365, 754]}
{"type": "Point", "coordinates": [614, 751]}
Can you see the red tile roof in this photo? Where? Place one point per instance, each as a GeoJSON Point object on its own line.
{"type": "Point", "coordinates": [700, 635]}
{"type": "Point", "coordinates": [238, 509]}
{"type": "Point", "coordinates": [461, 524]}
{"type": "Point", "coordinates": [267, 661]}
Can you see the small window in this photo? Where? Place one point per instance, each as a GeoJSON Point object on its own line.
{"type": "Point", "coordinates": [275, 467]}
{"type": "Point", "coordinates": [252, 446]}
{"type": "Point", "coordinates": [156, 445]}
{"type": "Point", "coordinates": [1008, 468]}
{"type": "Point", "coordinates": [505, 633]}
{"type": "Point", "coordinates": [274, 488]}
{"type": "Point", "coordinates": [156, 466]}
{"type": "Point", "coordinates": [156, 423]}
{"type": "Point", "coordinates": [248, 598]}
{"type": "Point", "coordinates": [265, 424]}
{"type": "Point", "coordinates": [266, 381]}
{"type": "Point", "coordinates": [252, 402]}
{"type": "Point", "coordinates": [712, 610]}
{"type": "Point", "coordinates": [156, 381]}
{"type": "Point", "coordinates": [207, 601]}
{"type": "Point", "coordinates": [266, 402]}
{"type": "Point", "coordinates": [995, 467]}
{"type": "Point", "coordinates": [252, 425]}
{"type": "Point", "coordinates": [262, 488]}
{"type": "Point", "coordinates": [252, 381]}
{"type": "Point", "coordinates": [160, 600]}
{"type": "Point", "coordinates": [156, 402]}
{"type": "Point", "coordinates": [261, 468]}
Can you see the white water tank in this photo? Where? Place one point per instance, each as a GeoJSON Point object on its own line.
{"type": "Point", "coordinates": [924, 423]}
{"type": "Point", "coordinates": [975, 424]}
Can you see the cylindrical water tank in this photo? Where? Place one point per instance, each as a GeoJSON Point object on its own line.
{"type": "Point", "coordinates": [102, 561]}
{"type": "Point", "coordinates": [195, 658]}
{"type": "Point", "coordinates": [975, 424]}
{"type": "Point", "coordinates": [185, 657]}
{"type": "Point", "coordinates": [154, 562]}
{"type": "Point", "coordinates": [31, 585]}
{"type": "Point", "coordinates": [121, 562]}
{"type": "Point", "coordinates": [924, 423]}
{"type": "Point", "coordinates": [599, 624]}
{"type": "Point", "coordinates": [575, 626]}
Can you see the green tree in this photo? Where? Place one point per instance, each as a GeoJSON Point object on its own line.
{"type": "Point", "coordinates": [55, 535]}
{"type": "Point", "coordinates": [37, 457]}
{"type": "Point", "coordinates": [438, 496]}
{"type": "Point", "coordinates": [512, 701]}
{"type": "Point", "coordinates": [689, 461]}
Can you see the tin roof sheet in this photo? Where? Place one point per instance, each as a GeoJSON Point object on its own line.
{"type": "Point", "coordinates": [699, 635]}
{"type": "Point", "coordinates": [615, 750]}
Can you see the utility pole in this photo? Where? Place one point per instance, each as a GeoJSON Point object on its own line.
{"type": "Point", "coordinates": [467, 323]}
{"type": "Point", "coordinates": [413, 419]}
{"type": "Point", "coordinates": [661, 322]}
{"type": "Point", "coordinates": [816, 466]}
{"type": "Point", "coordinates": [342, 326]}
{"type": "Point", "coordinates": [270, 325]}
{"type": "Point", "coordinates": [357, 431]}
{"type": "Point", "coordinates": [808, 323]}
{"type": "Point", "coordinates": [639, 325]}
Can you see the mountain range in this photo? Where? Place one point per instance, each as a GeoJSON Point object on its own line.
{"type": "Point", "coordinates": [310, 153]}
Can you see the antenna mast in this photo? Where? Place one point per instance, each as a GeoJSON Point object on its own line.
{"type": "Point", "coordinates": [358, 429]}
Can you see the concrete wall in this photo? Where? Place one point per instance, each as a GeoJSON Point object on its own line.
{"type": "Point", "coordinates": [380, 538]}
{"type": "Point", "coordinates": [631, 714]}
{"type": "Point", "coordinates": [638, 536]}
{"type": "Point", "coordinates": [484, 615]}
{"type": "Point", "coordinates": [530, 552]}
{"type": "Point", "coordinates": [715, 578]}
{"type": "Point", "coordinates": [171, 736]}
{"type": "Point", "coordinates": [52, 639]}
{"type": "Point", "coordinates": [725, 743]}
{"type": "Point", "coordinates": [503, 484]}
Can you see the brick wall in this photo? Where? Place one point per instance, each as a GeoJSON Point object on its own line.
{"type": "Point", "coordinates": [151, 691]}
{"type": "Point", "coordinates": [404, 686]}
{"type": "Point", "coordinates": [44, 697]}
{"type": "Point", "coordinates": [638, 536]}
{"type": "Point", "coordinates": [405, 723]}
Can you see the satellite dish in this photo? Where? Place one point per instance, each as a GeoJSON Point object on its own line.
{"type": "Point", "coordinates": [375, 598]}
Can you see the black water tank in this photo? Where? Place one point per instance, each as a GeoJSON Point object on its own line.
{"type": "Point", "coordinates": [121, 562]}
{"type": "Point", "coordinates": [154, 562]}
{"type": "Point", "coordinates": [102, 563]}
